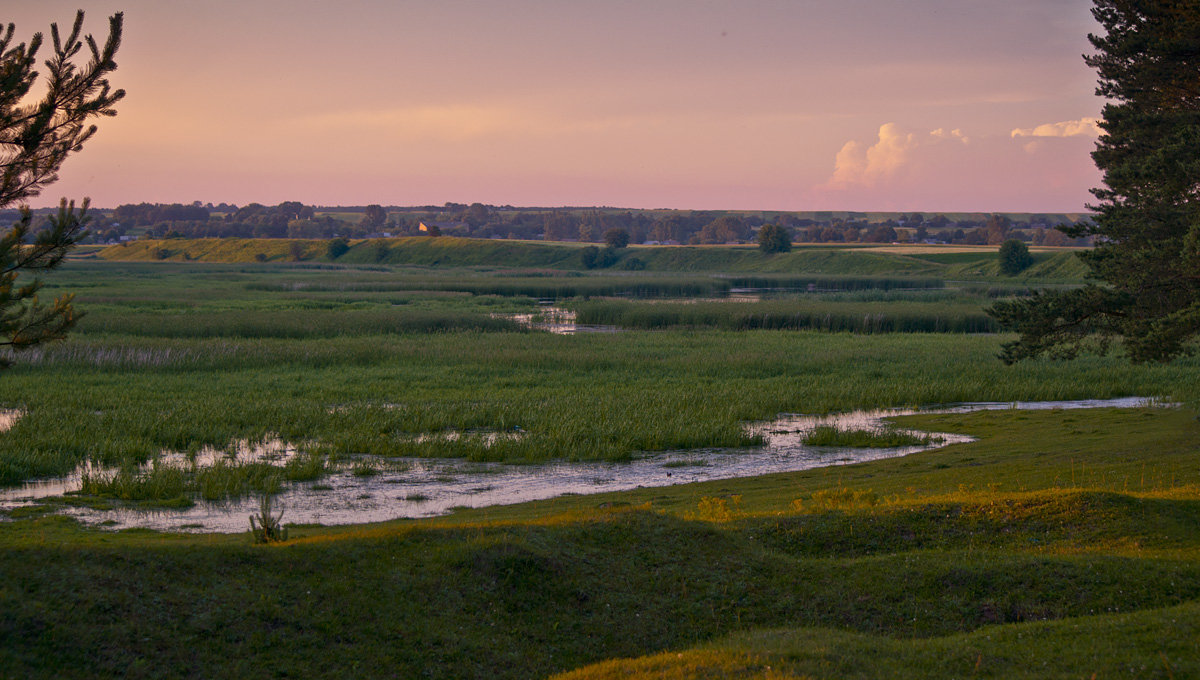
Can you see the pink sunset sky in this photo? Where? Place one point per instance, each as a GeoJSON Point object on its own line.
{"type": "Point", "coordinates": [933, 105]}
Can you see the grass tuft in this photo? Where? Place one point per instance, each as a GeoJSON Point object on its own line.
{"type": "Point", "coordinates": [886, 438]}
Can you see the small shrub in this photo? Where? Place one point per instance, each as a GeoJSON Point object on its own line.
{"type": "Point", "coordinates": [715, 509]}
{"type": "Point", "coordinates": [265, 527]}
{"type": "Point", "coordinates": [337, 247]}
{"type": "Point", "coordinates": [595, 258]}
{"type": "Point", "coordinates": [296, 250]}
{"type": "Point", "coordinates": [1014, 257]}
{"type": "Point", "coordinates": [616, 238]}
{"type": "Point", "coordinates": [836, 499]}
{"type": "Point", "coordinates": [773, 238]}
{"type": "Point", "coordinates": [380, 251]}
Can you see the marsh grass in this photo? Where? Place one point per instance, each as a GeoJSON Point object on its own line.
{"type": "Point", "coordinates": [792, 314]}
{"type": "Point", "coordinates": [130, 483]}
{"type": "Point", "coordinates": [573, 398]}
{"type": "Point", "coordinates": [227, 480]}
{"type": "Point", "coordinates": [294, 323]}
{"type": "Point", "coordinates": [888, 437]}
{"type": "Point", "coordinates": [364, 468]}
{"type": "Point", "coordinates": [305, 467]}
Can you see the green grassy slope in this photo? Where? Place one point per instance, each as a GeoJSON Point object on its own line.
{"type": "Point", "coordinates": [459, 252]}
{"type": "Point", "coordinates": [943, 584]}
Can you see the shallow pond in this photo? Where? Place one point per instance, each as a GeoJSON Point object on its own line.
{"type": "Point", "coordinates": [557, 320]}
{"type": "Point", "coordinates": [425, 488]}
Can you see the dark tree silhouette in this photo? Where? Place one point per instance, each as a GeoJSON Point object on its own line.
{"type": "Point", "coordinates": [1014, 257]}
{"type": "Point", "coordinates": [35, 138]}
{"type": "Point", "coordinates": [1146, 258]}
{"type": "Point", "coordinates": [773, 238]}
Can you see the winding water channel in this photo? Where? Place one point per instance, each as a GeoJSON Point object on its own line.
{"type": "Point", "coordinates": [431, 487]}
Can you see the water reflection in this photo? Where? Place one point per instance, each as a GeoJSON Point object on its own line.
{"type": "Point", "coordinates": [9, 417]}
{"type": "Point", "coordinates": [430, 487]}
{"type": "Point", "coordinates": [559, 321]}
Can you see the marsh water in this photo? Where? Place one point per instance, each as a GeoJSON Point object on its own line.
{"type": "Point", "coordinates": [555, 319]}
{"type": "Point", "coordinates": [411, 488]}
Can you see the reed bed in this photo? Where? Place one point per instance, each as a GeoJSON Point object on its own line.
{"type": "Point", "coordinates": [572, 397]}
{"type": "Point", "coordinates": [539, 287]}
{"type": "Point", "coordinates": [563, 285]}
{"type": "Point", "coordinates": [835, 283]}
{"type": "Point", "coordinates": [180, 357]}
{"type": "Point", "coordinates": [296, 323]}
{"type": "Point", "coordinates": [792, 314]}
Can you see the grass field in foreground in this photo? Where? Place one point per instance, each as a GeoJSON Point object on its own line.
{"type": "Point", "coordinates": [980, 558]}
{"type": "Point", "coordinates": [1060, 544]}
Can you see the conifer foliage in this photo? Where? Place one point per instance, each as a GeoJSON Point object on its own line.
{"type": "Point", "coordinates": [1146, 261]}
{"type": "Point", "coordinates": [36, 135]}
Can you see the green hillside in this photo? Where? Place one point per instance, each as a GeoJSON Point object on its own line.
{"type": "Point", "coordinates": [447, 252]}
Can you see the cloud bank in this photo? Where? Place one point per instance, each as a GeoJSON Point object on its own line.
{"type": "Point", "coordinates": [856, 166]}
{"type": "Point", "coordinates": [1043, 168]}
{"type": "Point", "coordinates": [1084, 127]}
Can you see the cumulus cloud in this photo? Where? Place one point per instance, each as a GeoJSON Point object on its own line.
{"type": "Point", "coordinates": [956, 133]}
{"type": "Point", "coordinates": [1084, 127]}
{"type": "Point", "coordinates": [942, 168]}
{"type": "Point", "coordinates": [858, 166]}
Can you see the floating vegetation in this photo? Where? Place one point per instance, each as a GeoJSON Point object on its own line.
{"type": "Point", "coordinates": [176, 478]}
{"type": "Point", "coordinates": [226, 480]}
{"type": "Point", "coordinates": [364, 468]}
{"type": "Point", "coordinates": [884, 438]}
{"type": "Point", "coordinates": [161, 482]}
{"type": "Point", "coordinates": [683, 463]}
{"type": "Point", "coordinates": [482, 436]}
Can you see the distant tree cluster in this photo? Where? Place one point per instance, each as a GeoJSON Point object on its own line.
{"type": "Point", "coordinates": [1014, 257]}
{"type": "Point", "coordinates": [292, 219]}
{"type": "Point", "coordinates": [992, 230]}
{"type": "Point", "coordinates": [773, 238]}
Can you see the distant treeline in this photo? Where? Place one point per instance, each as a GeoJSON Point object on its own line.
{"type": "Point", "coordinates": [293, 219]}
